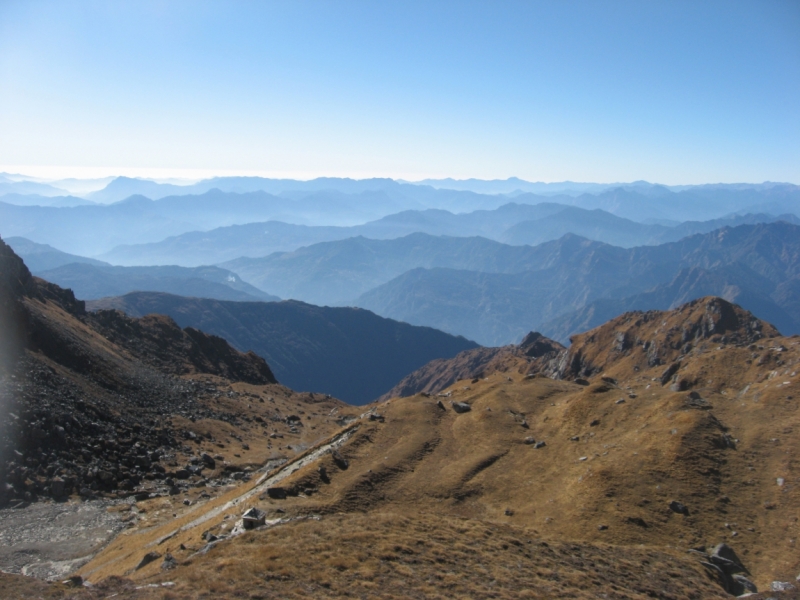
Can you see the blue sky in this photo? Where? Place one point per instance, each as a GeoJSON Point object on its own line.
{"type": "Point", "coordinates": [670, 91]}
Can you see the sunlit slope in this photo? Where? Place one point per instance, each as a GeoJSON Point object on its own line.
{"type": "Point", "coordinates": [622, 441]}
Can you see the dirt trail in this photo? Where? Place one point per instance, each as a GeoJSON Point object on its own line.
{"type": "Point", "coordinates": [262, 484]}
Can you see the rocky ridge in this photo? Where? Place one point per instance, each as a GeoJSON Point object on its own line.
{"type": "Point", "coordinates": [534, 353]}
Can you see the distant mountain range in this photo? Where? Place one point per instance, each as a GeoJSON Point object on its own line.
{"type": "Point", "coordinates": [40, 200]}
{"type": "Point", "coordinates": [136, 218]}
{"type": "Point", "coordinates": [573, 284]}
{"type": "Point", "coordinates": [90, 282]}
{"type": "Point", "coordinates": [512, 223]}
{"type": "Point", "coordinates": [91, 279]}
{"type": "Point", "coordinates": [309, 348]}
{"type": "Point", "coordinates": [43, 257]}
{"type": "Point", "coordinates": [10, 186]}
{"type": "Point", "coordinates": [338, 272]}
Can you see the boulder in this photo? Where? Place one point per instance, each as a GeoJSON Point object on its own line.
{"type": "Point", "coordinates": [640, 522]}
{"type": "Point", "coordinates": [781, 586]}
{"type": "Point", "coordinates": [147, 559]}
{"type": "Point", "coordinates": [57, 487]}
{"type": "Point", "coordinates": [669, 372]}
{"type": "Point", "coordinates": [725, 557]}
{"type": "Point", "coordinates": [169, 562]}
{"type": "Point", "coordinates": [208, 461]}
{"type": "Point", "coordinates": [340, 460]}
{"type": "Point", "coordinates": [276, 493]}
{"type": "Point", "coordinates": [461, 407]}
{"type": "Point", "coordinates": [744, 584]}
{"type": "Point", "coordinates": [679, 507]}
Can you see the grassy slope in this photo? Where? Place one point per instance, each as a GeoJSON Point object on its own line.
{"type": "Point", "coordinates": [430, 475]}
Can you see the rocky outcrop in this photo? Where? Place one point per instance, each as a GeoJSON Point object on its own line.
{"type": "Point", "coordinates": [534, 354]}
{"type": "Point", "coordinates": [157, 340]}
{"type": "Point", "coordinates": [659, 338]}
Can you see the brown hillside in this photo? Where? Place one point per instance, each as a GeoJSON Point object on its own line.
{"type": "Point", "coordinates": [103, 405]}
{"type": "Point", "coordinates": [625, 464]}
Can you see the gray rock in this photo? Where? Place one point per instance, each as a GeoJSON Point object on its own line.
{"type": "Point", "coordinates": [724, 556]}
{"type": "Point", "coordinates": [695, 401]}
{"type": "Point", "coordinates": [340, 460]}
{"type": "Point", "coordinates": [147, 559]}
{"type": "Point", "coordinates": [169, 562]}
{"type": "Point", "coordinates": [679, 507]}
{"type": "Point", "coordinates": [723, 579]}
{"type": "Point", "coordinates": [539, 445]}
{"type": "Point", "coordinates": [277, 493]}
{"type": "Point", "coordinates": [640, 522]}
{"type": "Point", "coordinates": [461, 407]}
{"type": "Point", "coordinates": [57, 487]}
{"type": "Point", "coordinates": [747, 585]}
{"type": "Point", "coordinates": [669, 372]}
{"type": "Point", "coordinates": [529, 440]}
{"type": "Point", "coordinates": [208, 461]}
{"type": "Point", "coordinates": [781, 586]}
{"type": "Point", "coordinates": [74, 581]}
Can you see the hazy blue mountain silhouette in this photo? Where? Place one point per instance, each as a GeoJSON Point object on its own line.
{"type": "Point", "coordinates": [41, 257]}
{"type": "Point", "coordinates": [573, 280]}
{"type": "Point", "coordinates": [90, 282]}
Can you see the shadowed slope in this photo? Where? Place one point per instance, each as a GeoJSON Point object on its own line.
{"type": "Point", "coordinates": [348, 352]}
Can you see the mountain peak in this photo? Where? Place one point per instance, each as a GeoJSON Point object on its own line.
{"type": "Point", "coordinates": [638, 340]}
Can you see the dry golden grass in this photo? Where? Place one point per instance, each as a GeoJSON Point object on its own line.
{"type": "Point", "coordinates": [391, 556]}
{"type": "Point", "coordinates": [432, 500]}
